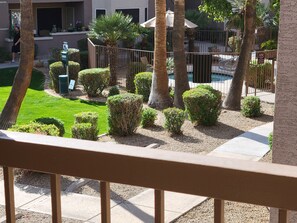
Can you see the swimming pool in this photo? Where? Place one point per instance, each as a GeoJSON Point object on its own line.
{"type": "Point", "coordinates": [215, 77]}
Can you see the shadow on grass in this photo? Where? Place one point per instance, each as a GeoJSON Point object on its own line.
{"type": "Point", "coordinates": [7, 77]}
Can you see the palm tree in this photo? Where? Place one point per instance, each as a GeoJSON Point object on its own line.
{"type": "Point", "coordinates": [233, 99]}
{"type": "Point", "coordinates": [180, 66]}
{"type": "Point", "coordinates": [23, 76]}
{"type": "Point", "coordinates": [111, 29]}
{"type": "Point", "coordinates": [159, 96]}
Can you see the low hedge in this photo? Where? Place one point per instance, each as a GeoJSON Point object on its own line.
{"type": "Point", "coordinates": [36, 128]}
{"type": "Point", "coordinates": [52, 121]}
{"type": "Point", "coordinates": [94, 80]}
{"type": "Point", "coordinates": [57, 69]}
{"type": "Point", "coordinates": [83, 131]}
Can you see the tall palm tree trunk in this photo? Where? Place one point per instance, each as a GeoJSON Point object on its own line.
{"type": "Point", "coordinates": [23, 76]}
{"type": "Point", "coordinates": [159, 96]}
{"type": "Point", "coordinates": [233, 98]}
{"type": "Point", "coordinates": [113, 64]}
{"type": "Point", "coordinates": [180, 65]}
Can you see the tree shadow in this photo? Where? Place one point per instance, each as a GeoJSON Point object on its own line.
{"type": "Point", "coordinates": [185, 138]}
{"type": "Point", "coordinates": [220, 131]}
{"type": "Point", "coordinates": [138, 139]}
{"type": "Point", "coordinates": [264, 118]}
{"type": "Point", "coordinates": [155, 128]}
{"type": "Point", "coordinates": [39, 179]}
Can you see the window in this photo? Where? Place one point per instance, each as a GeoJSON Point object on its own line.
{"type": "Point", "coordinates": [44, 23]}
{"type": "Point", "coordinates": [132, 12]}
{"type": "Point", "coordinates": [100, 12]}
{"type": "Point", "coordinates": [145, 14]}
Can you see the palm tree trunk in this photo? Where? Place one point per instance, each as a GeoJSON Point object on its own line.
{"type": "Point", "coordinates": [23, 76]}
{"type": "Point", "coordinates": [233, 98]}
{"type": "Point", "coordinates": [113, 60]}
{"type": "Point", "coordinates": [159, 96]}
{"type": "Point", "coordinates": [180, 65]}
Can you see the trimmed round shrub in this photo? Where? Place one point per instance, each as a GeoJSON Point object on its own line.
{"type": "Point", "coordinates": [124, 113]}
{"type": "Point", "coordinates": [52, 121]}
{"type": "Point", "coordinates": [83, 131]}
{"type": "Point", "coordinates": [134, 68]}
{"type": "Point", "coordinates": [36, 128]}
{"type": "Point", "coordinates": [57, 69]}
{"type": "Point", "coordinates": [84, 59]}
{"type": "Point", "coordinates": [148, 117]}
{"type": "Point", "coordinates": [84, 118]}
{"type": "Point", "coordinates": [143, 83]}
{"type": "Point", "coordinates": [174, 119]}
{"type": "Point", "coordinates": [114, 90]}
{"type": "Point", "coordinates": [87, 117]}
{"type": "Point", "coordinates": [94, 80]}
{"type": "Point", "coordinates": [203, 105]}
{"type": "Point", "coordinates": [74, 55]}
{"type": "Point", "coordinates": [251, 106]}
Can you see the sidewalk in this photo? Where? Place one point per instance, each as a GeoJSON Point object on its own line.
{"type": "Point", "coordinates": [251, 145]}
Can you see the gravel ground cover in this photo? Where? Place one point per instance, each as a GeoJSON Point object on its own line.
{"type": "Point", "coordinates": [198, 140]}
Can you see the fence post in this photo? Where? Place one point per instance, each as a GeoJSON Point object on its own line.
{"type": "Point", "coordinates": [218, 211]}
{"type": "Point", "coordinates": [9, 194]}
{"type": "Point", "coordinates": [56, 198]}
{"type": "Point", "coordinates": [159, 206]}
{"type": "Point", "coordinates": [105, 201]}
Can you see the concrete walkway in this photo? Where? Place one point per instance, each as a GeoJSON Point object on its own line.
{"type": "Point", "coordinates": [252, 145]}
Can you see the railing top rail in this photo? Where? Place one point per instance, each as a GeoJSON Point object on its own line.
{"type": "Point", "coordinates": [228, 179]}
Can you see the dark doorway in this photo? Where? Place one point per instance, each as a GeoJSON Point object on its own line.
{"type": "Point", "coordinates": [48, 17]}
{"type": "Point", "coordinates": [132, 12]}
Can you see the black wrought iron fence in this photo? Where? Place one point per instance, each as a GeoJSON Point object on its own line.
{"type": "Point", "coordinates": [212, 68]}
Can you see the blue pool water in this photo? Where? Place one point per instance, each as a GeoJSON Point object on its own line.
{"type": "Point", "coordinates": [215, 77]}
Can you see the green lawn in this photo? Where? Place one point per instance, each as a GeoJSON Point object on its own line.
{"type": "Point", "coordinates": [39, 104]}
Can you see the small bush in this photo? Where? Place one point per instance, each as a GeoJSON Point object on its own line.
{"type": "Point", "coordinates": [114, 90]}
{"type": "Point", "coordinates": [270, 140]}
{"type": "Point", "coordinates": [52, 121]}
{"type": "Point", "coordinates": [94, 80]}
{"type": "Point", "coordinates": [143, 83]}
{"type": "Point", "coordinates": [74, 55]}
{"type": "Point", "coordinates": [87, 117]}
{"type": "Point", "coordinates": [83, 131]}
{"type": "Point", "coordinates": [174, 119]}
{"type": "Point", "coordinates": [84, 59]}
{"type": "Point", "coordinates": [124, 113]}
{"type": "Point", "coordinates": [251, 106]}
{"type": "Point", "coordinates": [203, 104]}
{"type": "Point", "coordinates": [57, 69]}
{"type": "Point", "coordinates": [134, 68]}
{"type": "Point", "coordinates": [55, 54]}
{"type": "Point", "coordinates": [149, 115]}
{"type": "Point", "coordinates": [36, 128]}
